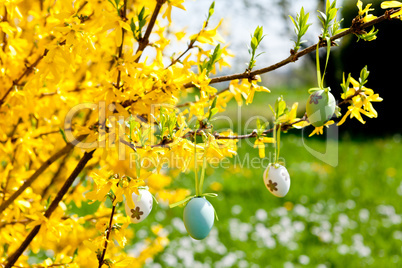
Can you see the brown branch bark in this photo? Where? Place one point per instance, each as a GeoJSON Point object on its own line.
{"type": "Point", "coordinates": [109, 230]}
{"type": "Point", "coordinates": [27, 71]}
{"type": "Point", "coordinates": [65, 150]}
{"type": "Point", "coordinates": [55, 176]}
{"type": "Point", "coordinates": [80, 166]}
{"type": "Point", "coordinates": [122, 14]}
{"type": "Point", "coordinates": [357, 26]}
{"type": "Point", "coordinates": [143, 43]}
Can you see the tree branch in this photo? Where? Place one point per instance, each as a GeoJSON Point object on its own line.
{"type": "Point", "coordinates": [80, 166]}
{"type": "Point", "coordinates": [65, 150]}
{"type": "Point", "coordinates": [27, 71]}
{"type": "Point", "coordinates": [122, 14]}
{"type": "Point", "coordinates": [355, 27]}
{"type": "Point", "coordinates": [109, 229]}
{"type": "Point", "coordinates": [145, 40]}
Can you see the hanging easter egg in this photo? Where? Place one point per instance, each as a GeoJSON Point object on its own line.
{"type": "Point", "coordinates": [142, 208]}
{"type": "Point", "coordinates": [277, 180]}
{"type": "Point", "coordinates": [198, 217]}
{"type": "Point", "coordinates": [320, 107]}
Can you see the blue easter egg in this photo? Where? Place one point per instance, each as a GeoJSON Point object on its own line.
{"type": "Point", "coordinates": [198, 217]}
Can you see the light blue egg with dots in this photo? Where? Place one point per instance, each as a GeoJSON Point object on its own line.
{"type": "Point", "coordinates": [198, 217]}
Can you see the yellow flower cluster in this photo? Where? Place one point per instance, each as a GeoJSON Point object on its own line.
{"type": "Point", "coordinates": [360, 99]}
{"type": "Point", "coordinates": [55, 55]}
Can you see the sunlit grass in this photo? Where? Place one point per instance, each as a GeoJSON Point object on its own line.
{"type": "Point", "coordinates": [333, 216]}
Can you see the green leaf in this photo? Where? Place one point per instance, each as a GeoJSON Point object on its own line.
{"type": "Point", "coordinates": [300, 27]}
{"type": "Point", "coordinates": [213, 58]}
{"type": "Point", "coordinates": [63, 134]}
{"type": "Point", "coordinates": [258, 33]}
{"type": "Point", "coordinates": [370, 36]}
{"type": "Point", "coordinates": [113, 4]}
{"type": "Point", "coordinates": [211, 10]}
{"type": "Point", "coordinates": [294, 23]}
{"type": "Point", "coordinates": [272, 109]}
{"type": "Point", "coordinates": [338, 111]}
{"type": "Point", "coordinates": [280, 106]}
{"type": "Point", "coordinates": [258, 123]}
{"type": "Point", "coordinates": [364, 73]}
{"type": "Point", "coordinates": [345, 84]}
{"type": "Point", "coordinates": [133, 27]}
{"type": "Point", "coordinates": [141, 14]}
{"type": "Point", "coordinates": [254, 43]}
{"type": "Point", "coordinates": [75, 254]}
{"type": "Point", "coordinates": [213, 112]}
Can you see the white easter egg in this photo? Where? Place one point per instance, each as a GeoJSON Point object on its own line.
{"type": "Point", "coordinates": [142, 208]}
{"type": "Point", "coordinates": [277, 180]}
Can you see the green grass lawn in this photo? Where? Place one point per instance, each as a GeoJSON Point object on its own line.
{"type": "Point", "coordinates": [344, 216]}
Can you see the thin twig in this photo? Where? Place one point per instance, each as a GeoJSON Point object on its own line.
{"type": "Point", "coordinates": [122, 14]}
{"type": "Point", "coordinates": [27, 71]}
{"type": "Point", "coordinates": [144, 41]}
{"type": "Point", "coordinates": [80, 166]}
{"type": "Point", "coordinates": [189, 47]}
{"type": "Point", "coordinates": [109, 229]}
{"type": "Point", "coordinates": [55, 176]}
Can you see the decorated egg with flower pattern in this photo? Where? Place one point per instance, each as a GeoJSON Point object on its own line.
{"type": "Point", "coordinates": [320, 107]}
{"type": "Point", "coordinates": [198, 217]}
{"type": "Point", "coordinates": [142, 206]}
{"type": "Point", "coordinates": [277, 180]}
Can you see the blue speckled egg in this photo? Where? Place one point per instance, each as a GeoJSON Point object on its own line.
{"type": "Point", "coordinates": [198, 217]}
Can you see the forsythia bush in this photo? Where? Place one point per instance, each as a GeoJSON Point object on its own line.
{"type": "Point", "coordinates": [93, 110]}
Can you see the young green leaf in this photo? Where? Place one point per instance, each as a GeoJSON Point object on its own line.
{"type": "Point", "coordinates": [300, 27]}
{"type": "Point", "coordinates": [211, 10]}
{"type": "Point", "coordinates": [63, 134]}
{"type": "Point", "coordinates": [256, 39]}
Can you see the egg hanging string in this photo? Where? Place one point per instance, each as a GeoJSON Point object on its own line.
{"type": "Point", "coordinates": [277, 138]}
{"type": "Point", "coordinates": [204, 163]}
{"type": "Point", "coordinates": [320, 78]}
{"type": "Point", "coordinates": [198, 183]}
{"type": "Point", "coordinates": [195, 165]}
